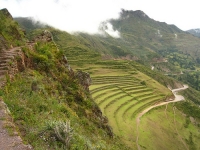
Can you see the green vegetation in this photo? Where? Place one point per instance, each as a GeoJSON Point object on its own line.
{"type": "Point", "coordinates": [189, 109]}
{"type": "Point", "coordinates": [10, 33]}
{"type": "Point", "coordinates": [50, 106]}
{"type": "Point", "coordinates": [46, 97]}
{"type": "Point", "coordinates": [174, 129]}
{"type": "Point", "coordinates": [191, 78]}
{"type": "Point", "coordinates": [193, 95]}
{"type": "Point", "coordinates": [39, 114]}
{"type": "Point", "coordinates": [121, 98]}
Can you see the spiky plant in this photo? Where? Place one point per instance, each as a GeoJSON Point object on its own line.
{"type": "Point", "coordinates": [64, 132]}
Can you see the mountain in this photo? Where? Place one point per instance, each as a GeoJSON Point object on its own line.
{"type": "Point", "coordinates": [195, 32]}
{"type": "Point", "coordinates": [165, 47]}
{"type": "Point", "coordinates": [149, 42]}
{"type": "Point", "coordinates": [141, 37]}
{"type": "Point", "coordinates": [146, 35]}
{"type": "Point", "coordinates": [81, 91]}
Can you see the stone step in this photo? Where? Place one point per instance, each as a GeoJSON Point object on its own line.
{"type": "Point", "coordinates": [9, 54]}
{"type": "Point", "coordinates": [3, 64]}
{"type": "Point", "coordinates": [6, 57]}
{"type": "Point", "coordinates": [3, 67]}
{"type": "Point", "coordinates": [2, 77]}
{"type": "Point", "coordinates": [3, 72]}
{"type": "Point", "coordinates": [5, 61]}
{"type": "Point", "coordinates": [11, 50]}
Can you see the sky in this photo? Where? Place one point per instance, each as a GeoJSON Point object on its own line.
{"type": "Point", "coordinates": [86, 15]}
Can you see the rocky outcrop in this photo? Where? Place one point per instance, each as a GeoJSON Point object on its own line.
{"type": "Point", "coordinates": [44, 36]}
{"type": "Point", "coordinates": [103, 121]}
{"type": "Point", "coordinates": [129, 13]}
{"type": "Point", "coordinates": [66, 64]}
{"type": "Point", "coordinates": [84, 79]}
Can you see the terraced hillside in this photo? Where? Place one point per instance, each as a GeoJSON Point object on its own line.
{"type": "Point", "coordinates": [121, 98]}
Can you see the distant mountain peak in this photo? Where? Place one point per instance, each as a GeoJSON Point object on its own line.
{"type": "Point", "coordinates": [131, 13]}
{"type": "Point", "coordinates": [195, 32]}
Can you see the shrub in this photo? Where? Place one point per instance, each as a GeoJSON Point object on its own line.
{"type": "Point", "coordinates": [64, 132]}
{"type": "Point", "coordinates": [143, 83]}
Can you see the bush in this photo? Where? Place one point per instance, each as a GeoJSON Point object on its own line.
{"type": "Point", "coordinates": [143, 83]}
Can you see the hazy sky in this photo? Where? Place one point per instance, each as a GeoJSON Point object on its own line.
{"type": "Point", "coordinates": [86, 15]}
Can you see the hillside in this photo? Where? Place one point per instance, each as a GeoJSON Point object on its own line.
{"type": "Point", "coordinates": [83, 50]}
{"type": "Point", "coordinates": [86, 91]}
{"type": "Point", "coordinates": [150, 42]}
{"type": "Point", "coordinates": [49, 102]}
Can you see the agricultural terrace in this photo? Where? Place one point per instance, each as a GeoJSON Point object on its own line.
{"type": "Point", "coordinates": [122, 97]}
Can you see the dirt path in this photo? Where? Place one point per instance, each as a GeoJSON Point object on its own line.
{"type": "Point", "coordinates": [177, 99]}
{"type": "Point", "coordinates": [9, 137]}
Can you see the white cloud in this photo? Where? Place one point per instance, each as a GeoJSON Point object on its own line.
{"type": "Point", "coordinates": [111, 31]}
{"type": "Point", "coordinates": [85, 16]}
{"type": "Point", "coordinates": [68, 15]}
{"type": "Point", "coordinates": [107, 28]}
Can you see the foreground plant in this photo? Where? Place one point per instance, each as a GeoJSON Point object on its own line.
{"type": "Point", "coordinates": [64, 132]}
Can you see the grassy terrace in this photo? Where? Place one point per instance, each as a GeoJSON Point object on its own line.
{"type": "Point", "coordinates": [121, 97]}
{"type": "Point", "coordinates": [122, 92]}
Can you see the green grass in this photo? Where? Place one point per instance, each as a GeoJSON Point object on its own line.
{"type": "Point", "coordinates": [37, 112]}
{"type": "Point", "coordinates": [158, 123]}
{"type": "Point", "coordinates": [10, 33]}
{"type": "Point", "coordinates": [122, 97]}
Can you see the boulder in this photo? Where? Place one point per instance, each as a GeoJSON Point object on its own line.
{"type": "Point", "coordinates": [84, 79]}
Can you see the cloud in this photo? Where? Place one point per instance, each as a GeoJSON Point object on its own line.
{"type": "Point", "coordinates": [86, 15]}
{"type": "Point", "coordinates": [111, 31]}
{"type": "Point", "coordinates": [107, 28]}
{"type": "Point", "coordinates": [67, 15]}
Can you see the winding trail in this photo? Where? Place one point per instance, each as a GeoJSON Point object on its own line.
{"type": "Point", "coordinates": [177, 99]}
